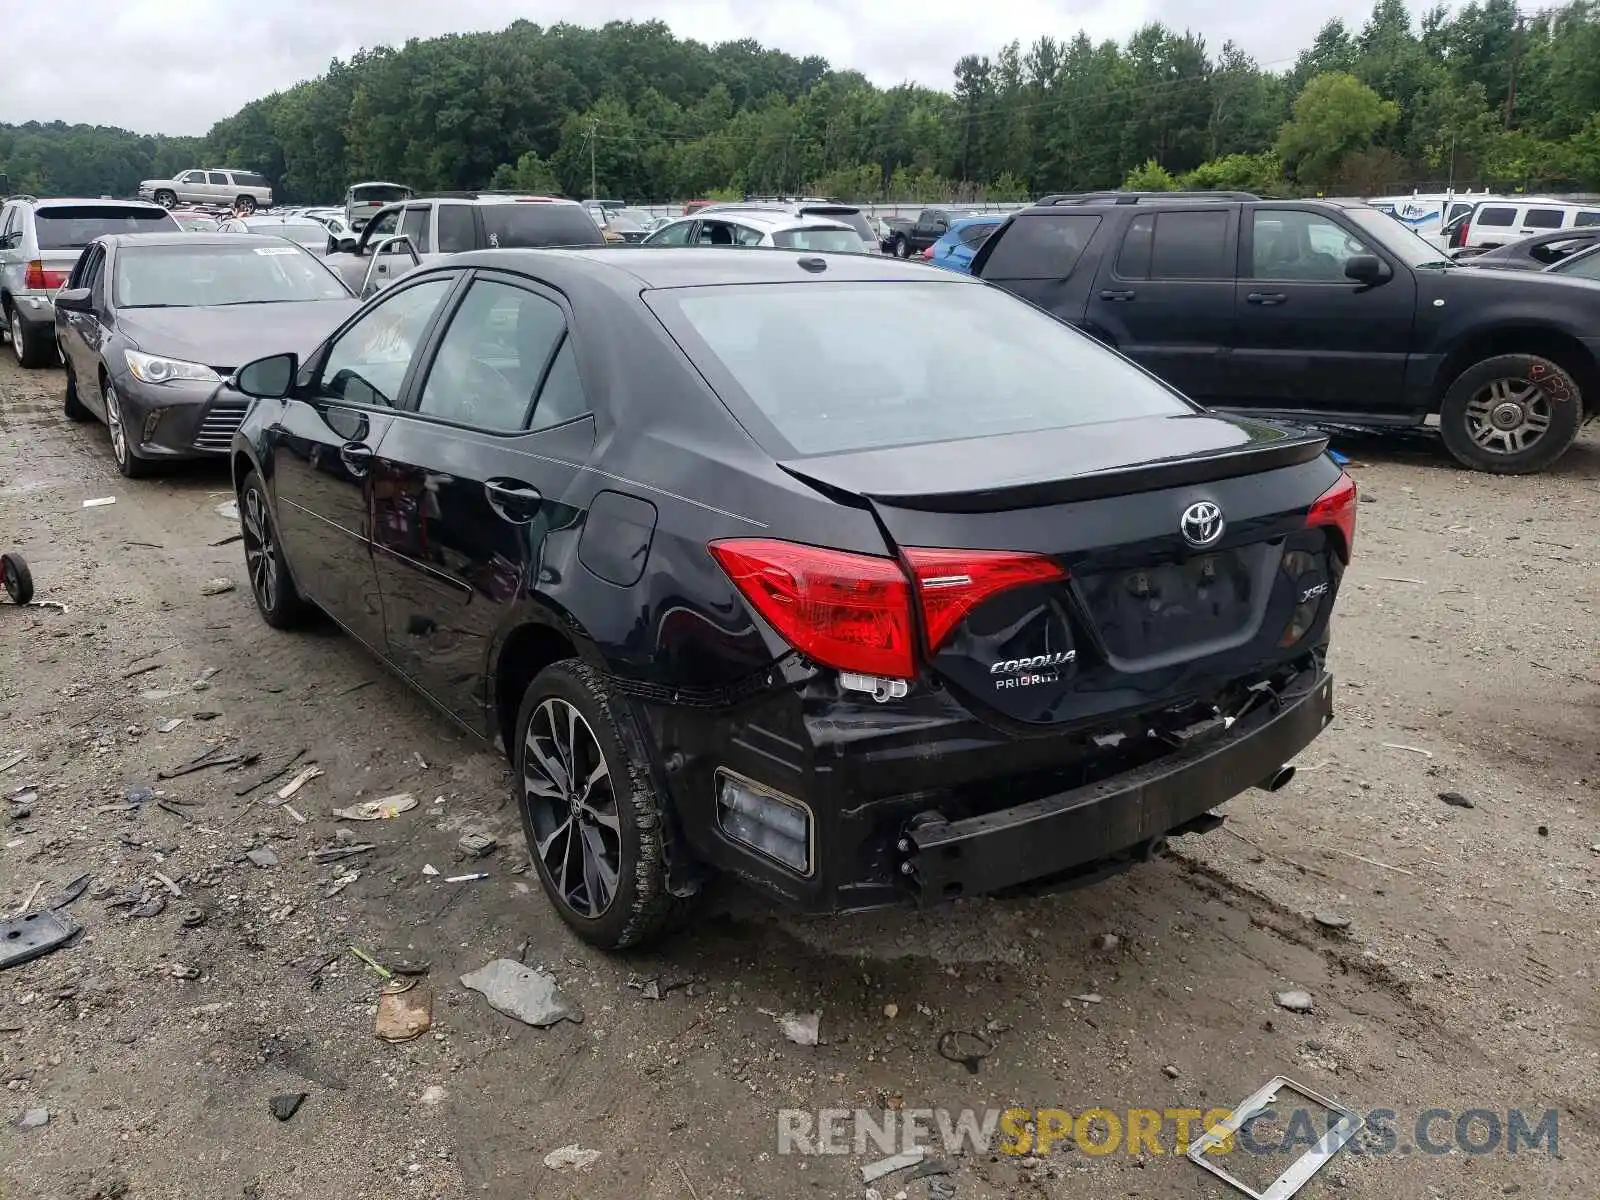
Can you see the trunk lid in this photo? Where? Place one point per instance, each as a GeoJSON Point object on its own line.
{"type": "Point", "coordinates": [1141, 612]}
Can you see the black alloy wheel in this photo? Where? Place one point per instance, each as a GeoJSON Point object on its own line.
{"type": "Point", "coordinates": [277, 598]}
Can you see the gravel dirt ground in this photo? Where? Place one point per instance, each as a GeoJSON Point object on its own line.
{"type": "Point", "coordinates": [1465, 979]}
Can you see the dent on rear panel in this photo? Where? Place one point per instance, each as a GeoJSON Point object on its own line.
{"type": "Point", "coordinates": [616, 537]}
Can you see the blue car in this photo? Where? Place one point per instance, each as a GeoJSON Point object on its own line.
{"type": "Point", "coordinates": [955, 249]}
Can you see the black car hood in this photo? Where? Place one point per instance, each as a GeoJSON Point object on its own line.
{"type": "Point", "coordinates": [1486, 286]}
{"type": "Point", "coordinates": [231, 335]}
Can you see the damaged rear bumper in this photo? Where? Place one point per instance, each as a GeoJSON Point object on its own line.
{"type": "Point", "coordinates": [1060, 833]}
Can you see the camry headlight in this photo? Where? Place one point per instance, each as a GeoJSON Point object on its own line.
{"type": "Point", "coordinates": [152, 368]}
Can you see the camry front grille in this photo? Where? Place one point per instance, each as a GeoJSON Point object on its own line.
{"type": "Point", "coordinates": [217, 427]}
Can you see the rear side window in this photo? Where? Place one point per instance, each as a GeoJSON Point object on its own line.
{"type": "Point", "coordinates": [249, 179]}
{"type": "Point", "coordinates": [508, 226]}
{"type": "Point", "coordinates": [852, 396]}
{"type": "Point", "coordinates": [841, 241]}
{"type": "Point", "coordinates": [72, 228]}
{"type": "Point", "coordinates": [455, 228]}
{"type": "Point", "coordinates": [491, 358]}
{"type": "Point", "coordinates": [1495, 216]}
{"type": "Point", "coordinates": [1543, 218]}
{"type": "Point", "coordinates": [1587, 217]}
{"type": "Point", "coordinates": [1046, 246]}
{"type": "Point", "coordinates": [1190, 245]}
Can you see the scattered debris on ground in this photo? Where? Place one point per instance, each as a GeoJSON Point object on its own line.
{"type": "Point", "coordinates": [378, 810]}
{"type": "Point", "coordinates": [1294, 1001]}
{"type": "Point", "coordinates": [285, 1106]}
{"type": "Point", "coordinates": [529, 994]}
{"type": "Point", "coordinates": [571, 1156]}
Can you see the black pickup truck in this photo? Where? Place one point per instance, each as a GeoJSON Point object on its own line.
{"type": "Point", "coordinates": [913, 237]}
{"type": "Point", "coordinates": [1321, 312]}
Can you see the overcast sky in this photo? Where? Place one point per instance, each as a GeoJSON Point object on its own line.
{"type": "Point", "coordinates": [176, 66]}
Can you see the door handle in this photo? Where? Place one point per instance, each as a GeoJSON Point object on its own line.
{"type": "Point", "coordinates": [512, 499]}
{"type": "Point", "coordinates": [1267, 298]}
{"type": "Point", "coordinates": [356, 457]}
{"type": "Point", "coordinates": [1113, 294]}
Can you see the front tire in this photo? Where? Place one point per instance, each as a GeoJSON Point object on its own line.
{"type": "Point", "coordinates": [166, 198]}
{"type": "Point", "coordinates": [277, 599]}
{"type": "Point", "coordinates": [1513, 414]}
{"type": "Point", "coordinates": [129, 463]}
{"type": "Point", "coordinates": [591, 811]}
{"type": "Point", "coordinates": [901, 248]}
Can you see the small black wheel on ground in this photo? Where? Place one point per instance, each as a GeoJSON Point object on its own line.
{"type": "Point", "coordinates": [166, 198]}
{"type": "Point", "coordinates": [277, 598]}
{"type": "Point", "coordinates": [17, 578]}
{"type": "Point", "coordinates": [74, 408]}
{"type": "Point", "coordinates": [31, 349]}
{"type": "Point", "coordinates": [247, 203]}
{"type": "Point", "coordinates": [593, 815]}
{"type": "Point", "coordinates": [129, 463]}
{"type": "Point", "coordinates": [1513, 414]}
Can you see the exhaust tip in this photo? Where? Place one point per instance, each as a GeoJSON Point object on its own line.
{"type": "Point", "coordinates": [1277, 779]}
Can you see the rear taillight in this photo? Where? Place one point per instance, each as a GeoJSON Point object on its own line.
{"type": "Point", "coordinates": [951, 583]}
{"type": "Point", "coordinates": [37, 279]}
{"type": "Point", "coordinates": [848, 611]}
{"type": "Point", "coordinates": [1336, 508]}
{"type": "Point", "coordinates": [1458, 236]}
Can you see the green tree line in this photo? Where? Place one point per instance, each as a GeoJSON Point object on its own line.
{"type": "Point", "coordinates": [1486, 96]}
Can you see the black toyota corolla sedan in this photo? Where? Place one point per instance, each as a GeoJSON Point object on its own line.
{"type": "Point", "coordinates": [740, 593]}
{"type": "Point", "coordinates": [149, 325]}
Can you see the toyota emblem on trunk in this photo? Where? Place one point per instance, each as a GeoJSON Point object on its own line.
{"type": "Point", "coordinates": [1201, 524]}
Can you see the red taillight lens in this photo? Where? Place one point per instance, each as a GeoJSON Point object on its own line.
{"type": "Point", "coordinates": [1336, 507]}
{"type": "Point", "coordinates": [848, 611]}
{"type": "Point", "coordinates": [951, 583]}
{"type": "Point", "coordinates": [37, 279]}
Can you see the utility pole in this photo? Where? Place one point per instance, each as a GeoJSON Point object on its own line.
{"type": "Point", "coordinates": [1511, 85]}
{"type": "Point", "coordinates": [593, 192]}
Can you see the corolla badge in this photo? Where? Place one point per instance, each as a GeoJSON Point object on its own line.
{"type": "Point", "coordinates": [1201, 524]}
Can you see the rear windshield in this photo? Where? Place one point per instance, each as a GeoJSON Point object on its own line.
{"type": "Point", "coordinates": [846, 241]}
{"type": "Point", "coordinates": [63, 228]}
{"type": "Point", "coordinates": [307, 233]}
{"type": "Point", "coordinates": [519, 226]}
{"type": "Point", "coordinates": [379, 194]}
{"type": "Point", "coordinates": [195, 276]}
{"type": "Point", "coordinates": [1019, 369]}
{"type": "Point", "coordinates": [852, 217]}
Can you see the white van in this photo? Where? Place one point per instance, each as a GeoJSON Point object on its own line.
{"type": "Point", "coordinates": [1495, 223]}
{"type": "Point", "coordinates": [1426, 215]}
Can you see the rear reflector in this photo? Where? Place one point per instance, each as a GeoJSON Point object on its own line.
{"type": "Point", "coordinates": [1336, 508]}
{"type": "Point", "coordinates": [37, 279]}
{"type": "Point", "coordinates": [776, 825]}
{"type": "Point", "coordinates": [848, 611]}
{"type": "Point", "coordinates": [951, 583]}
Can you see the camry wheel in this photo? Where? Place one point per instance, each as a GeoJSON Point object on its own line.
{"type": "Point", "coordinates": [1513, 414]}
{"type": "Point", "coordinates": [277, 598]}
{"type": "Point", "coordinates": [129, 463]}
{"type": "Point", "coordinates": [594, 820]}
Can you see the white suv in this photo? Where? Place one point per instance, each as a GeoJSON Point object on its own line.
{"type": "Point", "coordinates": [1495, 223]}
{"type": "Point", "coordinates": [212, 185]}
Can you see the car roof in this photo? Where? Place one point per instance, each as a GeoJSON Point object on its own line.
{"type": "Point", "coordinates": [772, 222]}
{"type": "Point", "coordinates": [180, 239]}
{"type": "Point", "coordinates": [75, 202]}
{"type": "Point", "coordinates": [627, 267]}
{"type": "Point", "coordinates": [790, 206]}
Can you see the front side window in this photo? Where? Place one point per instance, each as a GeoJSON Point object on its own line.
{"type": "Point", "coordinates": [414, 224]}
{"type": "Point", "coordinates": [383, 225]}
{"type": "Point", "coordinates": [491, 358]}
{"type": "Point", "coordinates": [368, 363]}
{"type": "Point", "coordinates": [1300, 246]}
{"type": "Point", "coordinates": [193, 177]}
{"type": "Point", "coordinates": [676, 234]}
{"type": "Point", "coordinates": [715, 233]}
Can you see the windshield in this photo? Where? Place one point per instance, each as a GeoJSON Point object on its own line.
{"type": "Point", "coordinates": [1019, 369]}
{"type": "Point", "coordinates": [1397, 239]}
{"type": "Point", "coordinates": [846, 241]}
{"type": "Point", "coordinates": [72, 228]}
{"type": "Point", "coordinates": [1585, 265]}
{"type": "Point", "coordinates": [519, 226]}
{"type": "Point", "coordinates": [195, 276]}
{"type": "Point", "coordinates": [197, 224]}
{"type": "Point", "coordinates": [637, 215]}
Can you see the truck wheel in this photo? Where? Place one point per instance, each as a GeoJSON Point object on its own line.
{"type": "Point", "coordinates": [246, 203]}
{"type": "Point", "coordinates": [1513, 414]}
{"type": "Point", "coordinates": [592, 812]}
{"type": "Point", "coordinates": [166, 198]}
{"type": "Point", "coordinates": [902, 248]}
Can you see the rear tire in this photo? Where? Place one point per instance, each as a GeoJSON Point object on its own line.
{"type": "Point", "coordinates": [1513, 414]}
{"type": "Point", "coordinates": [587, 795]}
{"type": "Point", "coordinates": [26, 344]}
{"type": "Point", "coordinates": [277, 599]}
{"type": "Point", "coordinates": [248, 203]}
{"type": "Point", "coordinates": [900, 247]}
{"type": "Point", "coordinates": [74, 408]}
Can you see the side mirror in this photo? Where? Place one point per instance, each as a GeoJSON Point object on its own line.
{"type": "Point", "coordinates": [73, 300]}
{"type": "Point", "coordinates": [270, 378]}
{"type": "Point", "coordinates": [1365, 268]}
{"type": "Point", "coordinates": [347, 245]}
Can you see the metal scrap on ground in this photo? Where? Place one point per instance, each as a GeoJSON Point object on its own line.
{"type": "Point", "coordinates": [527, 993]}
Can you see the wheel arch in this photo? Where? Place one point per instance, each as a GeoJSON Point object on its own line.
{"type": "Point", "coordinates": [1544, 340]}
{"type": "Point", "coordinates": [536, 637]}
